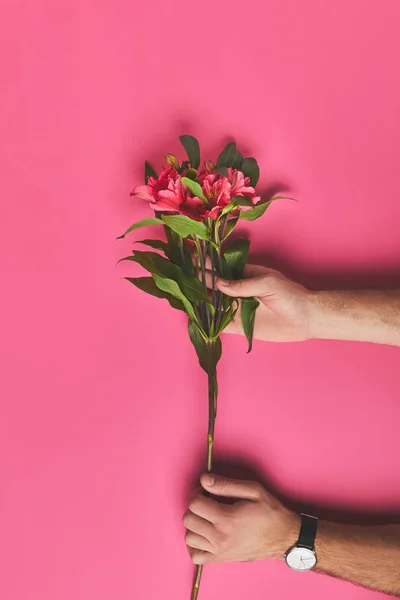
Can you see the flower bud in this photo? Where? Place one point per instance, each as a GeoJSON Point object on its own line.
{"type": "Point", "coordinates": [209, 166]}
{"type": "Point", "coordinates": [192, 174]}
{"type": "Point", "coordinates": [172, 161]}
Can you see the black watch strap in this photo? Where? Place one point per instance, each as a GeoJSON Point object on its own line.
{"type": "Point", "coordinates": [308, 531]}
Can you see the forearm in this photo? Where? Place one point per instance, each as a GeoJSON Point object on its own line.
{"type": "Point", "coordinates": [364, 316]}
{"type": "Point", "coordinates": [368, 556]}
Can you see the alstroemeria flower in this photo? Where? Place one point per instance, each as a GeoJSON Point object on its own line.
{"type": "Point", "coordinates": [240, 186]}
{"type": "Point", "coordinates": [219, 190]}
{"type": "Point", "coordinates": [168, 194]}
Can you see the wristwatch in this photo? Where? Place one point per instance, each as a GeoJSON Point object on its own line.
{"type": "Point", "coordinates": [302, 557]}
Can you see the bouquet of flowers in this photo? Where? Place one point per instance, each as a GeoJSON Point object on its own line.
{"type": "Point", "coordinates": [198, 205]}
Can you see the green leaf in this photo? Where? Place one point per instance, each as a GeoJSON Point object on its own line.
{"type": "Point", "coordinates": [248, 313]}
{"type": "Point", "coordinates": [237, 161]}
{"type": "Point", "coordinates": [192, 148]}
{"type": "Point", "coordinates": [149, 172]}
{"type": "Point", "coordinates": [282, 198]}
{"type": "Point", "coordinates": [242, 201]}
{"type": "Point", "coordinates": [256, 212]}
{"type": "Point", "coordinates": [171, 287]}
{"type": "Point", "coordinates": [236, 256]}
{"type": "Point", "coordinates": [190, 286]}
{"type": "Point", "coordinates": [147, 284]}
{"type": "Point", "coordinates": [199, 344]}
{"type": "Point", "coordinates": [157, 244]}
{"type": "Point", "coordinates": [195, 188]}
{"type": "Point", "coordinates": [143, 223]}
{"type": "Point", "coordinates": [193, 289]}
{"type": "Point", "coordinates": [260, 208]}
{"type": "Point", "coordinates": [222, 171]}
{"type": "Point", "coordinates": [153, 262]}
{"type": "Point", "coordinates": [228, 208]}
{"type": "Point", "coordinates": [208, 352]}
{"type": "Point", "coordinates": [251, 169]}
{"type": "Point", "coordinates": [227, 156]}
{"type": "Point", "coordinates": [187, 263]}
{"type": "Point", "coordinates": [173, 240]}
{"type": "Point", "coordinates": [173, 251]}
{"type": "Point", "coordinates": [228, 316]}
{"type": "Point", "coordinates": [226, 301]}
{"type": "Point", "coordinates": [185, 226]}
{"type": "Point", "coordinates": [230, 227]}
{"type": "Point", "coordinates": [226, 270]}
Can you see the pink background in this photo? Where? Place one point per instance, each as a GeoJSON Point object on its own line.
{"type": "Point", "coordinates": [103, 407]}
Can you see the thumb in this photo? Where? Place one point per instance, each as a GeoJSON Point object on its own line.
{"type": "Point", "coordinates": [244, 288]}
{"type": "Point", "coordinates": [230, 488]}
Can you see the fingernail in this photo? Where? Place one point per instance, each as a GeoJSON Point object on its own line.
{"type": "Point", "coordinates": [224, 282]}
{"type": "Point", "coordinates": [209, 480]}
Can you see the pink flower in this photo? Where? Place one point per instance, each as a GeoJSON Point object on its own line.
{"type": "Point", "coordinates": [240, 186]}
{"type": "Point", "coordinates": [219, 190]}
{"type": "Point", "coordinates": [168, 194]}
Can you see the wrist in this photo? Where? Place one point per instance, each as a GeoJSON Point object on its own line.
{"type": "Point", "coordinates": [288, 534]}
{"type": "Point", "coordinates": [319, 315]}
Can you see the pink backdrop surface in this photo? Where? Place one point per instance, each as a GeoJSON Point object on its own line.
{"type": "Point", "coordinates": [103, 406]}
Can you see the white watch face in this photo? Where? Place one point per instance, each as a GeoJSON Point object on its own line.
{"type": "Point", "coordinates": [301, 559]}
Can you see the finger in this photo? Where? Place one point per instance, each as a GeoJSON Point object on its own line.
{"type": "Point", "coordinates": [256, 270]}
{"type": "Point", "coordinates": [198, 525]}
{"type": "Point", "coordinates": [199, 557]}
{"type": "Point", "coordinates": [231, 488]}
{"type": "Point", "coordinates": [262, 285]}
{"type": "Point", "coordinates": [197, 542]}
{"type": "Point", "coordinates": [206, 508]}
{"type": "Point", "coordinates": [249, 271]}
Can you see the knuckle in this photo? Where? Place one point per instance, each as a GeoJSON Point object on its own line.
{"type": "Point", "coordinates": [258, 490]}
{"type": "Point", "coordinates": [227, 527]}
{"type": "Point", "coordinates": [196, 558]}
{"type": "Point", "coordinates": [193, 505]}
{"type": "Point", "coordinates": [186, 519]}
{"type": "Point", "coordinates": [190, 551]}
{"type": "Point", "coordinates": [240, 284]}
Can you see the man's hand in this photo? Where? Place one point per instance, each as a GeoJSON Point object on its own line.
{"type": "Point", "coordinates": [288, 312]}
{"type": "Point", "coordinates": [258, 526]}
{"type": "Point", "coordinates": [255, 527]}
{"type": "Point", "coordinates": [285, 307]}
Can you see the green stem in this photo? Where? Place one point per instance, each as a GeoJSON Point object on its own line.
{"type": "Point", "coordinates": [182, 253]}
{"type": "Point", "coordinates": [219, 309]}
{"type": "Point", "coordinates": [212, 415]}
{"type": "Point", "coordinates": [202, 306]}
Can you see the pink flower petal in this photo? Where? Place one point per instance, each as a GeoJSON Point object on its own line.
{"type": "Point", "coordinates": [160, 205]}
{"type": "Point", "coordinates": [143, 191]}
{"type": "Point", "coordinates": [214, 212]}
{"type": "Point", "coordinates": [247, 191]}
{"type": "Point", "coordinates": [169, 198]}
